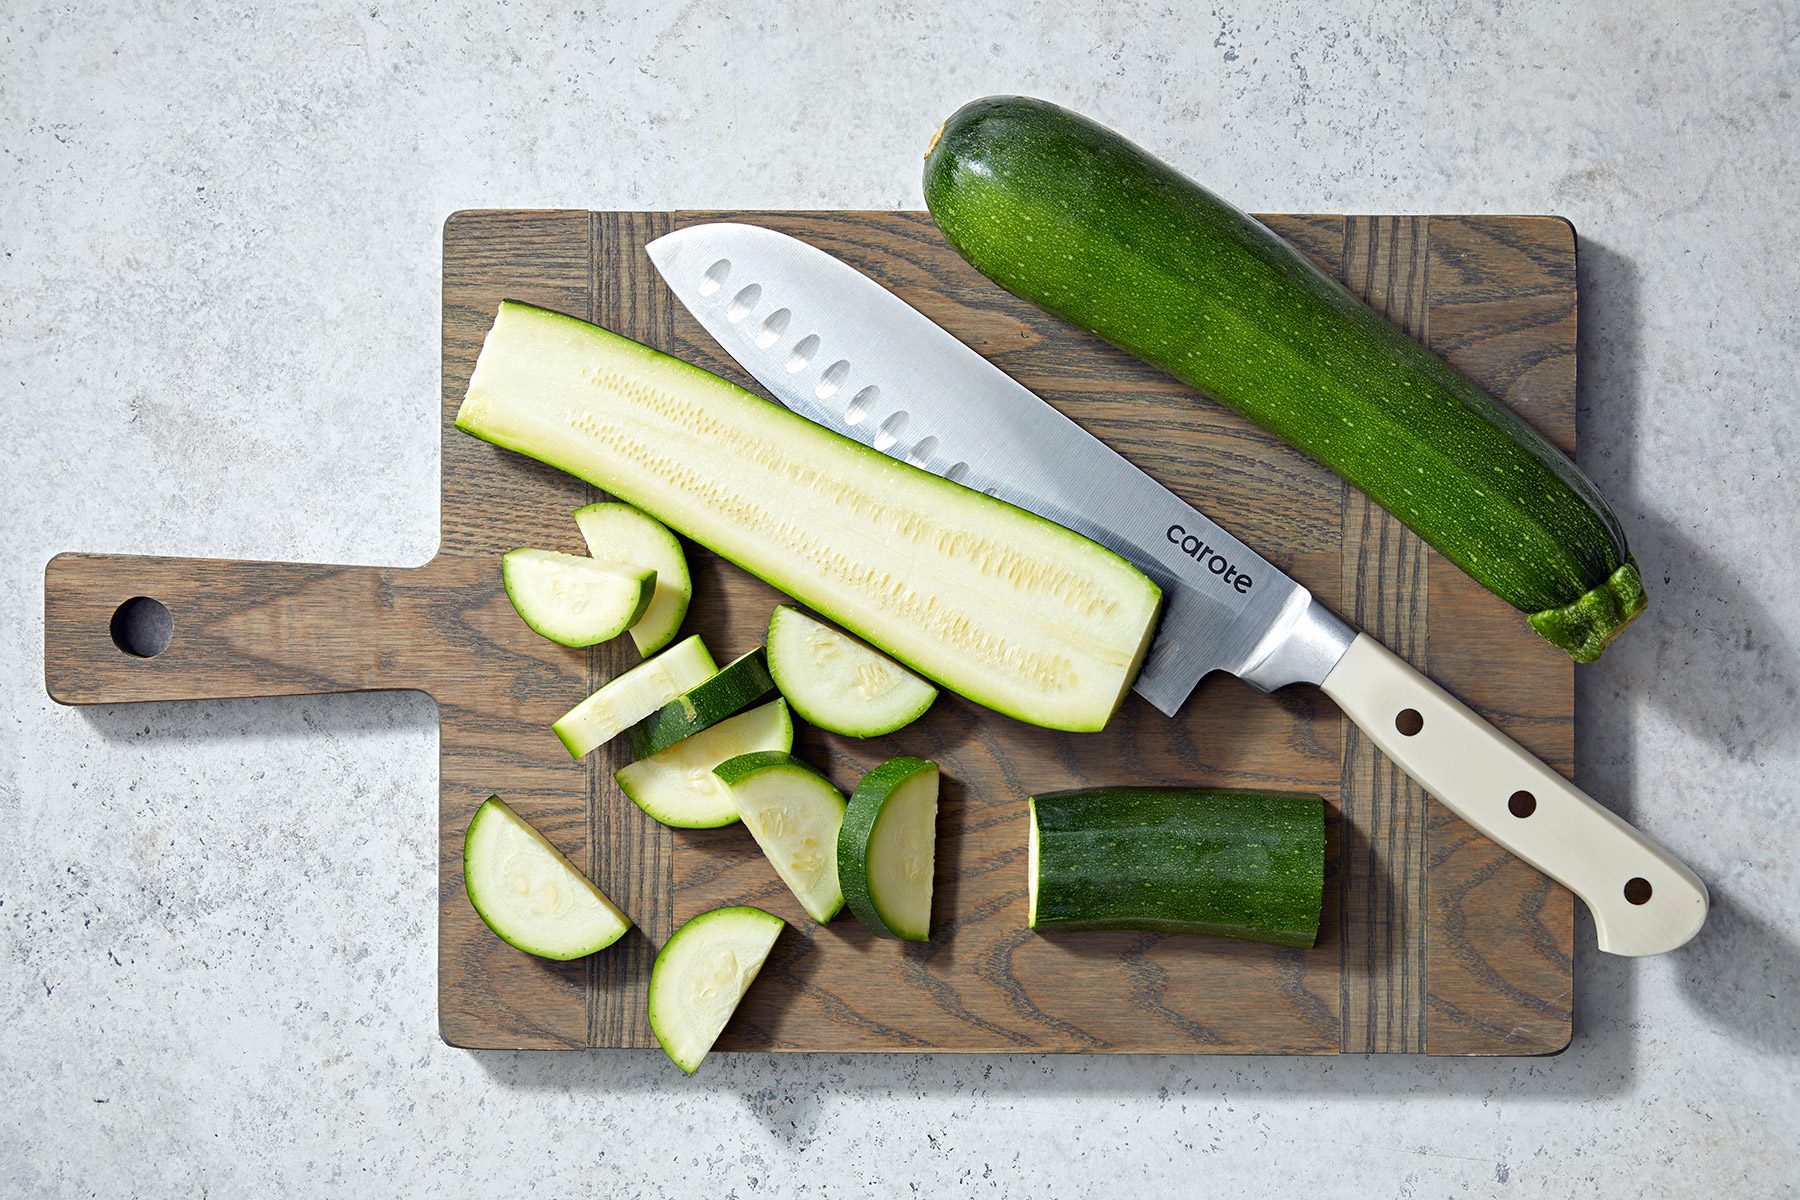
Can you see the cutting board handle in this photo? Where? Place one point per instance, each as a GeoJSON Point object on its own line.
{"type": "Point", "coordinates": [120, 628]}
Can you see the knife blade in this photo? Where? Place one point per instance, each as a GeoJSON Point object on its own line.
{"type": "Point", "coordinates": [840, 349]}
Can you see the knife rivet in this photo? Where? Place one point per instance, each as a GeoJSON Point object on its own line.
{"type": "Point", "coordinates": [1521, 804]}
{"type": "Point", "coordinates": [1409, 722]}
{"type": "Point", "coordinates": [1637, 890]}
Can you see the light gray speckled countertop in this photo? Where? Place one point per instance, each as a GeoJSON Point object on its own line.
{"type": "Point", "coordinates": [218, 336]}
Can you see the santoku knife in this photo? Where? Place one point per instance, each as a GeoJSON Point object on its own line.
{"type": "Point", "coordinates": [837, 347]}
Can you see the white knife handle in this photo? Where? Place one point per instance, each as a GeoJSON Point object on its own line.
{"type": "Point", "coordinates": [1644, 900]}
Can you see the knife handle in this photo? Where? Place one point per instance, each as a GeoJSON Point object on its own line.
{"type": "Point", "coordinates": [1644, 900]}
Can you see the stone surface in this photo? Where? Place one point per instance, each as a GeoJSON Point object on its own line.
{"type": "Point", "coordinates": [218, 335]}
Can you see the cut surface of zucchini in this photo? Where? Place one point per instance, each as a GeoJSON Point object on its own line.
{"type": "Point", "coordinates": [736, 686]}
{"type": "Point", "coordinates": [1013, 611]}
{"type": "Point", "coordinates": [701, 975]}
{"type": "Point", "coordinates": [571, 600]}
{"type": "Point", "coordinates": [887, 848]}
{"type": "Point", "coordinates": [794, 813]}
{"type": "Point", "coordinates": [529, 893]}
{"type": "Point", "coordinates": [836, 682]}
{"type": "Point", "coordinates": [678, 787]}
{"type": "Point", "coordinates": [620, 536]}
{"type": "Point", "coordinates": [629, 698]}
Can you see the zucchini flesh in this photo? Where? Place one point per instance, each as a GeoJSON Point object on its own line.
{"type": "Point", "coordinates": [735, 687]}
{"type": "Point", "coordinates": [1071, 216]}
{"type": "Point", "coordinates": [627, 699]}
{"type": "Point", "coordinates": [574, 601]}
{"type": "Point", "coordinates": [529, 893]}
{"type": "Point", "coordinates": [887, 848]}
{"type": "Point", "coordinates": [794, 814]}
{"type": "Point", "coordinates": [618, 535]}
{"type": "Point", "coordinates": [1010, 610]}
{"type": "Point", "coordinates": [700, 976]}
{"type": "Point", "coordinates": [837, 683]}
{"type": "Point", "coordinates": [1238, 864]}
{"type": "Point", "coordinates": [678, 787]}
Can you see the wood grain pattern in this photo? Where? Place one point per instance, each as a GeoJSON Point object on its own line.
{"type": "Point", "coordinates": [1502, 309]}
{"type": "Point", "coordinates": [1483, 952]}
{"type": "Point", "coordinates": [1385, 593]}
{"type": "Point", "coordinates": [634, 854]}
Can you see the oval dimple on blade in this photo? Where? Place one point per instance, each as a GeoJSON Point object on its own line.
{"type": "Point", "coordinates": [773, 326]}
{"type": "Point", "coordinates": [749, 316]}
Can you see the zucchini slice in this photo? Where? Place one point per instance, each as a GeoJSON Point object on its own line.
{"type": "Point", "coordinates": [678, 787]}
{"type": "Point", "coordinates": [529, 894]}
{"type": "Point", "coordinates": [1012, 611]}
{"type": "Point", "coordinates": [1073, 217]}
{"type": "Point", "coordinates": [620, 536]}
{"type": "Point", "coordinates": [736, 686]}
{"type": "Point", "coordinates": [574, 601]}
{"type": "Point", "coordinates": [624, 701]}
{"type": "Point", "coordinates": [1237, 864]}
{"type": "Point", "coordinates": [700, 976]}
{"type": "Point", "coordinates": [794, 814]}
{"type": "Point", "coordinates": [836, 682]}
{"type": "Point", "coordinates": [887, 848]}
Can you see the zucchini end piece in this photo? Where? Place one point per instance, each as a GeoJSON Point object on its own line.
{"type": "Point", "coordinates": [1586, 626]}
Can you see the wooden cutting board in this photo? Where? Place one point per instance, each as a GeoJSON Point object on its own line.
{"type": "Point", "coordinates": [1433, 939]}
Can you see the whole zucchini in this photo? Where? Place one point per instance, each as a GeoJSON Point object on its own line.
{"type": "Point", "coordinates": [1237, 864]}
{"type": "Point", "coordinates": [1069, 215]}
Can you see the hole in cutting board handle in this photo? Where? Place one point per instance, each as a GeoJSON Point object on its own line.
{"type": "Point", "coordinates": [142, 627]}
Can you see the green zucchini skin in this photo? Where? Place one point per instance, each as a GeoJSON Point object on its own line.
{"type": "Point", "coordinates": [737, 686]}
{"type": "Point", "coordinates": [1067, 214]}
{"type": "Point", "coordinates": [856, 848]}
{"type": "Point", "coordinates": [1237, 864]}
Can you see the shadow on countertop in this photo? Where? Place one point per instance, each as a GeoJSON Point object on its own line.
{"type": "Point", "coordinates": [1706, 654]}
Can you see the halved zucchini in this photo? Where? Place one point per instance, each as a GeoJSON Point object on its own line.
{"type": "Point", "coordinates": [737, 685]}
{"type": "Point", "coordinates": [571, 600]}
{"type": "Point", "coordinates": [794, 813]}
{"type": "Point", "coordinates": [836, 682]}
{"type": "Point", "coordinates": [701, 975]}
{"type": "Point", "coordinates": [529, 893]}
{"type": "Point", "coordinates": [629, 698]}
{"type": "Point", "coordinates": [887, 848]}
{"type": "Point", "coordinates": [678, 786]}
{"type": "Point", "coordinates": [621, 536]}
{"type": "Point", "coordinates": [1005, 607]}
